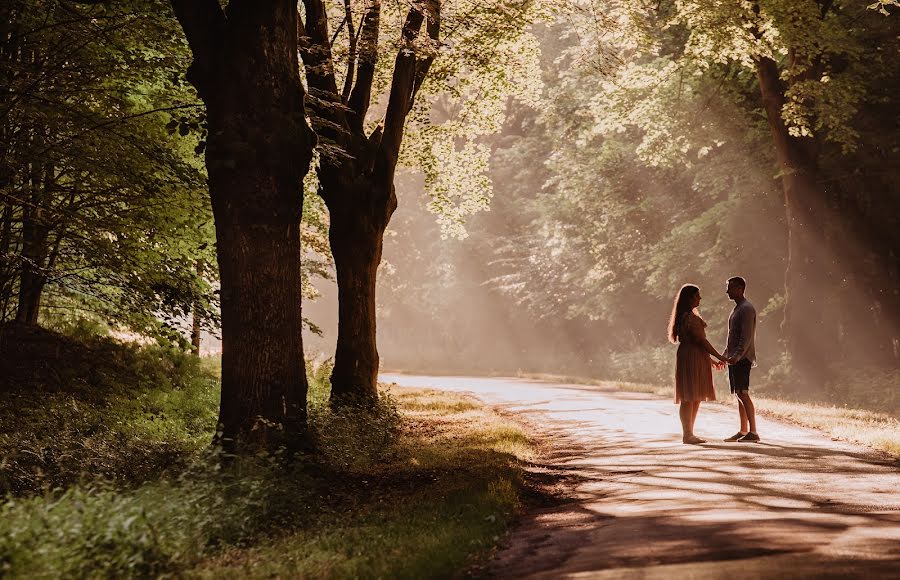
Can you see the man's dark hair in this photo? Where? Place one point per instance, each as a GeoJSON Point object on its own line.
{"type": "Point", "coordinates": [738, 281]}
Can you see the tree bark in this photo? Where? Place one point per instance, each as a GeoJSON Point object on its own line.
{"type": "Point", "coordinates": [195, 318]}
{"type": "Point", "coordinates": [259, 148]}
{"type": "Point", "coordinates": [356, 234]}
{"type": "Point", "coordinates": [7, 271]}
{"type": "Point", "coordinates": [195, 332]}
{"type": "Point", "coordinates": [808, 277]}
{"type": "Point", "coordinates": [34, 248]}
{"type": "Point", "coordinates": [358, 186]}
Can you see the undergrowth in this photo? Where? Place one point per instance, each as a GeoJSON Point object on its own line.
{"type": "Point", "coordinates": [108, 473]}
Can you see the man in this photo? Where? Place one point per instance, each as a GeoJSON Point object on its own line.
{"type": "Point", "coordinates": [740, 353]}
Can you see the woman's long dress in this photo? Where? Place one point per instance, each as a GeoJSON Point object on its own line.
{"type": "Point", "coordinates": [693, 367]}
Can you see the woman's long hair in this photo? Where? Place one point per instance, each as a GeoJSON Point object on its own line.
{"type": "Point", "coordinates": [683, 302]}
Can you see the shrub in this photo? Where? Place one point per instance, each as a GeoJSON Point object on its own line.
{"type": "Point", "coordinates": [654, 365]}
{"type": "Point", "coordinates": [351, 435]}
{"type": "Point", "coordinates": [99, 531]}
{"type": "Point", "coordinates": [865, 388]}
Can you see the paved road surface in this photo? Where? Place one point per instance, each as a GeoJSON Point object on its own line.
{"type": "Point", "coordinates": [797, 505]}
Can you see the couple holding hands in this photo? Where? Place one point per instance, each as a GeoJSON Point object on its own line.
{"type": "Point", "coordinates": [693, 365]}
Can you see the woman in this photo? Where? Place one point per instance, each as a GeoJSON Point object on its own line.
{"type": "Point", "coordinates": [693, 365]}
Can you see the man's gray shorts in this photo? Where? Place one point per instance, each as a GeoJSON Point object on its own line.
{"type": "Point", "coordinates": [739, 375]}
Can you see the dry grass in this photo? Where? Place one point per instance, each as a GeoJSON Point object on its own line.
{"type": "Point", "coordinates": [877, 430]}
{"type": "Point", "coordinates": [601, 385]}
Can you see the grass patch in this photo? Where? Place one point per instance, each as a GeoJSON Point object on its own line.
{"type": "Point", "coordinates": [108, 474]}
{"type": "Point", "coordinates": [878, 430]}
{"type": "Point", "coordinates": [439, 498]}
{"type": "Point", "coordinates": [602, 385]}
{"type": "Point", "coordinates": [74, 409]}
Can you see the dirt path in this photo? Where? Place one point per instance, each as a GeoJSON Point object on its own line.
{"type": "Point", "coordinates": [797, 505]}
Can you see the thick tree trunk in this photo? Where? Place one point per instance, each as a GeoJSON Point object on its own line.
{"type": "Point", "coordinates": [195, 331]}
{"type": "Point", "coordinates": [808, 329]}
{"type": "Point", "coordinates": [263, 404]}
{"type": "Point", "coordinates": [7, 271]}
{"type": "Point", "coordinates": [356, 243]}
{"type": "Point", "coordinates": [31, 288]}
{"type": "Point", "coordinates": [195, 318]}
{"type": "Point", "coordinates": [259, 148]}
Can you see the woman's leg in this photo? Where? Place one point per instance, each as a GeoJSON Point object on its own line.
{"type": "Point", "coordinates": [695, 407]}
{"type": "Point", "coordinates": [684, 412]}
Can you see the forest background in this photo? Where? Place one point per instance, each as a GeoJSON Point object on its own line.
{"type": "Point", "coordinates": [620, 152]}
{"type": "Point", "coordinates": [558, 170]}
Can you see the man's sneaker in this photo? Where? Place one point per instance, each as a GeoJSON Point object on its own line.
{"type": "Point", "coordinates": [736, 437]}
{"type": "Point", "coordinates": [750, 437]}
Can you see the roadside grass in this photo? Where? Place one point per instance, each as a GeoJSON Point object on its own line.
{"type": "Point", "coordinates": [877, 430]}
{"type": "Point", "coordinates": [602, 385]}
{"type": "Point", "coordinates": [107, 470]}
{"type": "Point", "coordinates": [435, 504]}
{"type": "Point", "coordinates": [880, 431]}
{"type": "Point", "coordinates": [94, 408]}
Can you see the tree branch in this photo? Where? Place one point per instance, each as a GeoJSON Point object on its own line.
{"type": "Point", "coordinates": [351, 54]}
{"type": "Point", "coordinates": [203, 23]}
{"type": "Point", "coordinates": [433, 27]}
{"type": "Point", "coordinates": [361, 94]}
{"type": "Point", "coordinates": [315, 49]}
{"type": "Point", "coordinates": [329, 113]}
{"type": "Point", "coordinates": [408, 76]}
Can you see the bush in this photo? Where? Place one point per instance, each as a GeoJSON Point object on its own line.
{"type": "Point", "coordinates": [351, 435]}
{"type": "Point", "coordinates": [865, 388]}
{"type": "Point", "coordinates": [98, 531]}
{"type": "Point", "coordinates": [653, 365]}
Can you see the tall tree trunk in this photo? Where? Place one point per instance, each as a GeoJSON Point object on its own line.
{"type": "Point", "coordinates": [358, 186]}
{"type": "Point", "coordinates": [259, 148]}
{"type": "Point", "coordinates": [195, 318]}
{"type": "Point", "coordinates": [356, 234]}
{"type": "Point", "coordinates": [807, 327]}
{"type": "Point", "coordinates": [9, 55]}
{"type": "Point", "coordinates": [6, 269]}
{"type": "Point", "coordinates": [195, 331]}
{"type": "Point", "coordinates": [34, 248]}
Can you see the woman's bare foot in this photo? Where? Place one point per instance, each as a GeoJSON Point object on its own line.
{"type": "Point", "coordinates": [692, 440]}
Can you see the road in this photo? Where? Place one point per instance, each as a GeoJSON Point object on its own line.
{"type": "Point", "coordinates": [796, 505]}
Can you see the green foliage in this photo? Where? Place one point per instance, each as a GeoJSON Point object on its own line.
{"type": "Point", "coordinates": [156, 529]}
{"type": "Point", "coordinates": [418, 501]}
{"type": "Point", "coordinates": [103, 204]}
{"type": "Point", "coordinates": [649, 365]}
{"type": "Point", "coordinates": [94, 407]}
{"type": "Point", "coordinates": [867, 388]}
{"type": "Point", "coordinates": [348, 436]}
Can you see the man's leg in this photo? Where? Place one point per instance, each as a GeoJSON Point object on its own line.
{"type": "Point", "coordinates": [742, 413]}
{"type": "Point", "coordinates": [748, 412]}
{"type": "Point", "coordinates": [734, 379]}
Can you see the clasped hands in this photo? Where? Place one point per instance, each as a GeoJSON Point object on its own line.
{"type": "Point", "coordinates": [720, 365]}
